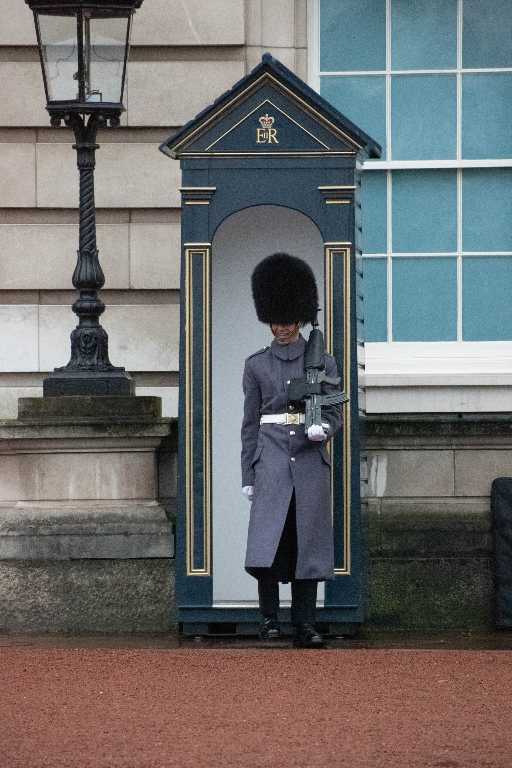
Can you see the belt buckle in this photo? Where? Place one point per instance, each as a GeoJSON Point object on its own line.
{"type": "Point", "coordinates": [292, 418]}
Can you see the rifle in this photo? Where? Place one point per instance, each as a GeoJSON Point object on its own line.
{"type": "Point", "coordinates": [308, 388]}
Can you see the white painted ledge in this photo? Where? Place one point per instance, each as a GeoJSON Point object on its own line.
{"type": "Point", "coordinates": [404, 377]}
{"type": "Point", "coordinates": [410, 165]}
{"type": "Point", "coordinates": [425, 361]}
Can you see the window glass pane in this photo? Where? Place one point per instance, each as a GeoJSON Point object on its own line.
{"type": "Point", "coordinates": [487, 114]}
{"type": "Point", "coordinates": [375, 299]}
{"type": "Point", "coordinates": [487, 209]}
{"type": "Point", "coordinates": [424, 115]}
{"type": "Point", "coordinates": [486, 304]}
{"type": "Point", "coordinates": [362, 100]}
{"type": "Point", "coordinates": [352, 35]}
{"type": "Point", "coordinates": [486, 33]}
{"type": "Point", "coordinates": [424, 210]}
{"type": "Point", "coordinates": [424, 34]}
{"type": "Point", "coordinates": [424, 299]}
{"type": "Point", "coordinates": [374, 211]}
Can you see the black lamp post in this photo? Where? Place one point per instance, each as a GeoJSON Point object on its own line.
{"type": "Point", "coordinates": [83, 45]}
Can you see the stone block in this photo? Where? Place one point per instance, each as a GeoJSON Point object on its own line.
{"type": "Point", "coordinates": [167, 473]}
{"type": "Point", "coordinates": [146, 337]}
{"type": "Point", "coordinates": [127, 176]}
{"type": "Point", "coordinates": [155, 252]}
{"type": "Point", "coordinates": [271, 24]}
{"type": "Point", "coordinates": [370, 524]}
{"type": "Point", "coordinates": [87, 595]}
{"type": "Point", "coordinates": [426, 528]}
{"type": "Point", "coordinates": [277, 23]}
{"type": "Point", "coordinates": [72, 475]}
{"type": "Point", "coordinates": [253, 22]}
{"type": "Point", "coordinates": [168, 395]}
{"type": "Point", "coordinates": [430, 594]}
{"type": "Point", "coordinates": [44, 255]}
{"type": "Point", "coordinates": [411, 473]}
{"type": "Point", "coordinates": [301, 23]}
{"type": "Point", "coordinates": [17, 27]}
{"type": "Point", "coordinates": [194, 22]}
{"type": "Point", "coordinates": [57, 531]}
{"type": "Point", "coordinates": [18, 331]}
{"type": "Point", "coordinates": [9, 399]}
{"type": "Point", "coordinates": [301, 63]}
{"type": "Point", "coordinates": [172, 92]}
{"type": "Point", "coordinates": [438, 431]}
{"type": "Point", "coordinates": [65, 409]}
{"type": "Point", "coordinates": [141, 337]}
{"type": "Point", "coordinates": [453, 398]}
{"type": "Point", "coordinates": [18, 174]}
{"type": "Point", "coordinates": [22, 94]}
{"type": "Point", "coordinates": [476, 469]}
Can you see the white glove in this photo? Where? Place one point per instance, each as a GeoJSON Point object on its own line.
{"type": "Point", "coordinates": [316, 433]}
{"type": "Point", "coordinates": [248, 491]}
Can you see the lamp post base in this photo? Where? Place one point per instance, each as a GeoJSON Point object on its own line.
{"type": "Point", "coordinates": [66, 382]}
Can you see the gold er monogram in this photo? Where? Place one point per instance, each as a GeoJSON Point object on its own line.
{"type": "Point", "coordinates": [266, 134]}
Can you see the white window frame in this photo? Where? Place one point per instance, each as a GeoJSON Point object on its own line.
{"type": "Point", "coordinates": [427, 376]}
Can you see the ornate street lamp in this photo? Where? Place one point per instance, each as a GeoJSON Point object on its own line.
{"type": "Point", "coordinates": [83, 46]}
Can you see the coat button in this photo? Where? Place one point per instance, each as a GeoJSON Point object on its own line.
{"type": "Point", "coordinates": [292, 458]}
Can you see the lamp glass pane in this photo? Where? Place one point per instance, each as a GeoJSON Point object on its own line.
{"type": "Point", "coordinates": [105, 53]}
{"type": "Point", "coordinates": [60, 56]}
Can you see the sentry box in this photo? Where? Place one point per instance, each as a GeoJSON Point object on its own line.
{"type": "Point", "coordinates": [269, 166]}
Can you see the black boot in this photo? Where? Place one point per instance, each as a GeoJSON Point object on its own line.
{"type": "Point", "coordinates": [303, 614]}
{"type": "Point", "coordinates": [306, 636]}
{"type": "Point", "coordinates": [270, 629]}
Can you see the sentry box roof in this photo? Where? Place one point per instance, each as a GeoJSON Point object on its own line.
{"type": "Point", "coordinates": [269, 112]}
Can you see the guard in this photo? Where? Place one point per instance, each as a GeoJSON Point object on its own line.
{"type": "Point", "coordinates": [286, 469]}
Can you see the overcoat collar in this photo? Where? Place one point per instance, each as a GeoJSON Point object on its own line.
{"type": "Point", "coordinates": [289, 351]}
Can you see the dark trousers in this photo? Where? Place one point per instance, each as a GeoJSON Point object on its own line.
{"type": "Point", "coordinates": [283, 569]}
{"type": "Point", "coordinates": [303, 598]}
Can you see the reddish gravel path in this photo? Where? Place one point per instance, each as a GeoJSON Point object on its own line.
{"type": "Point", "coordinates": [193, 708]}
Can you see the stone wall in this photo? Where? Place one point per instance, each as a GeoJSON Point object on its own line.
{"type": "Point", "coordinates": [429, 527]}
{"type": "Point", "coordinates": [184, 55]}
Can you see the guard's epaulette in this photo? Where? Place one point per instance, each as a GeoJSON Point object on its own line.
{"type": "Point", "coordinates": [264, 349]}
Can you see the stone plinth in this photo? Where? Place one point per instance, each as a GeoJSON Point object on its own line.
{"type": "Point", "coordinates": [85, 544]}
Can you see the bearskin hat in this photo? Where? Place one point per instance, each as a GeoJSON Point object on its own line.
{"type": "Point", "coordinates": [284, 290]}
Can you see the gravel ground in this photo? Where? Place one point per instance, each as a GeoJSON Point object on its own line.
{"type": "Point", "coordinates": [233, 707]}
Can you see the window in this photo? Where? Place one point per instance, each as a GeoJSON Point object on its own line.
{"type": "Point", "coordinates": [431, 80]}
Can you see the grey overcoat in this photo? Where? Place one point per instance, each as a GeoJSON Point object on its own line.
{"type": "Point", "coordinates": [276, 459]}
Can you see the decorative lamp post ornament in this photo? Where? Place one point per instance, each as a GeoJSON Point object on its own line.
{"type": "Point", "coordinates": [83, 46]}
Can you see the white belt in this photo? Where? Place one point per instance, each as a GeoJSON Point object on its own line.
{"type": "Point", "coordinates": [283, 418]}
{"type": "Point", "coordinates": [287, 418]}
